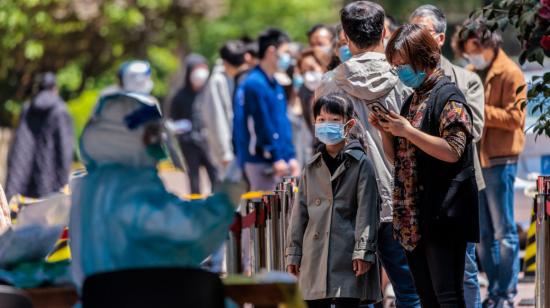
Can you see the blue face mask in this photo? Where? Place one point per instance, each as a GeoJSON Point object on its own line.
{"type": "Point", "coordinates": [329, 132]}
{"type": "Point", "coordinates": [284, 62]}
{"type": "Point", "coordinates": [297, 82]}
{"type": "Point", "coordinates": [409, 77]}
{"type": "Point", "coordinates": [344, 53]}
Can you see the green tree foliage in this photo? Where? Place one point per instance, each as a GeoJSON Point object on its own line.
{"type": "Point", "coordinates": [84, 40]}
{"type": "Point", "coordinates": [245, 17]}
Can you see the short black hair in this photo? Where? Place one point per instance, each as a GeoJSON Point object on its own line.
{"type": "Point", "coordinates": [316, 27]}
{"type": "Point", "coordinates": [251, 46]}
{"type": "Point", "coordinates": [334, 104]}
{"type": "Point", "coordinates": [233, 52]}
{"type": "Point", "coordinates": [363, 23]}
{"type": "Point", "coordinates": [271, 37]}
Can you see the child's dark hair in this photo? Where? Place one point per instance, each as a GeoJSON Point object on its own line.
{"type": "Point", "coordinates": [340, 105]}
{"type": "Point", "coordinates": [334, 104]}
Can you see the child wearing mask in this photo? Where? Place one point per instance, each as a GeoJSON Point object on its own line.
{"type": "Point", "coordinates": [333, 226]}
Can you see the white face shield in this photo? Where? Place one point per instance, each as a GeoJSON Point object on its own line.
{"type": "Point", "coordinates": [136, 77]}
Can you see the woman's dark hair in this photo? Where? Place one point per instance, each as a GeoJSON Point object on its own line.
{"type": "Point", "coordinates": [233, 52]}
{"type": "Point", "coordinates": [340, 105]}
{"type": "Point", "coordinates": [415, 45]}
{"type": "Point", "coordinates": [271, 37]}
{"type": "Point", "coordinates": [363, 23]}
{"type": "Point", "coordinates": [478, 30]}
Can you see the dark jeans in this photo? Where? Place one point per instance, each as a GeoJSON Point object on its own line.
{"type": "Point", "coordinates": [337, 302]}
{"type": "Point", "coordinates": [394, 262]}
{"type": "Point", "coordinates": [499, 247]}
{"type": "Point", "coordinates": [471, 284]}
{"type": "Point", "coordinates": [195, 157]}
{"type": "Point", "coordinates": [437, 267]}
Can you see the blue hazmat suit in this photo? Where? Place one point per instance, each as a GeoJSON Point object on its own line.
{"type": "Point", "coordinates": [122, 217]}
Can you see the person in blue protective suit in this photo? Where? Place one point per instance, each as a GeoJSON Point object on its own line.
{"type": "Point", "coordinates": [122, 217]}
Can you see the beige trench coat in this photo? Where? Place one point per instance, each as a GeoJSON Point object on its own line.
{"type": "Point", "coordinates": [328, 230]}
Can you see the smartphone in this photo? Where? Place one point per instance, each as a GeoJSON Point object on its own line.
{"type": "Point", "coordinates": [379, 110]}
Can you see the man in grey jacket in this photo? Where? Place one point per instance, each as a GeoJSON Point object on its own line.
{"type": "Point", "coordinates": [218, 104]}
{"type": "Point", "coordinates": [470, 84]}
{"type": "Point", "coordinates": [367, 78]}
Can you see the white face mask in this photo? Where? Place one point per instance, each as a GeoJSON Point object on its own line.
{"type": "Point", "coordinates": [312, 80]}
{"type": "Point", "coordinates": [198, 77]}
{"type": "Point", "coordinates": [478, 61]}
{"type": "Point", "coordinates": [327, 50]}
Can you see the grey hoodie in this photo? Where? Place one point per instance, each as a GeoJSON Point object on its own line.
{"type": "Point", "coordinates": [366, 78]}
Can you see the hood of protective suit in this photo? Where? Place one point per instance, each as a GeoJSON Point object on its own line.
{"type": "Point", "coordinates": [114, 133]}
{"type": "Point", "coordinates": [367, 76]}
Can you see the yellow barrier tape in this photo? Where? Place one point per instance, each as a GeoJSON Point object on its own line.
{"type": "Point", "coordinates": [194, 197]}
{"type": "Point", "coordinates": [166, 166]}
{"type": "Point", "coordinates": [254, 195]}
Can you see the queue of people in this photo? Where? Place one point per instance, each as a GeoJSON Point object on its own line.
{"type": "Point", "coordinates": [405, 160]}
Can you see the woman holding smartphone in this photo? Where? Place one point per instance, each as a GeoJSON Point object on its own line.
{"type": "Point", "coordinates": [435, 193]}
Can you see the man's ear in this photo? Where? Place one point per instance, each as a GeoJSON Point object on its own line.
{"type": "Point", "coordinates": [271, 50]}
{"type": "Point", "coordinates": [441, 37]}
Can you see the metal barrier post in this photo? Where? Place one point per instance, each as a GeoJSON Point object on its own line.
{"type": "Point", "coordinates": [257, 237]}
{"type": "Point", "coordinates": [248, 221]}
{"type": "Point", "coordinates": [542, 276]}
{"type": "Point", "coordinates": [233, 250]}
{"type": "Point", "coordinates": [282, 224]}
{"type": "Point", "coordinates": [272, 225]}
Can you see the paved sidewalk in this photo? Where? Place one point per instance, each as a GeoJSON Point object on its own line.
{"type": "Point", "coordinates": [526, 291]}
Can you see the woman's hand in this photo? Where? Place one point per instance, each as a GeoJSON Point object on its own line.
{"type": "Point", "coordinates": [396, 125]}
{"type": "Point", "coordinates": [360, 267]}
{"type": "Point", "coordinates": [374, 121]}
{"type": "Point", "coordinates": [293, 269]}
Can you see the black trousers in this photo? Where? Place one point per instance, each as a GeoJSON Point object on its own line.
{"type": "Point", "coordinates": [195, 157]}
{"type": "Point", "coordinates": [337, 302]}
{"type": "Point", "coordinates": [437, 267]}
